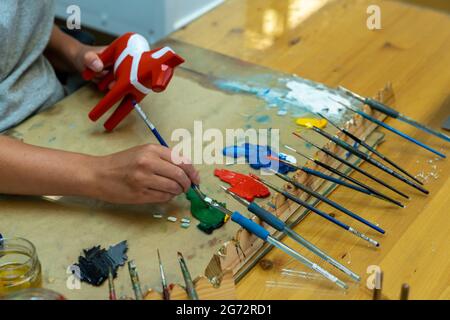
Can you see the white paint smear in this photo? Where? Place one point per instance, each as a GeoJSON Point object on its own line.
{"type": "Point", "coordinates": [315, 99]}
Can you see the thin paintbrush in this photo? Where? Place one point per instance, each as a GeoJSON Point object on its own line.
{"type": "Point", "coordinates": [319, 212]}
{"type": "Point", "coordinates": [156, 133]}
{"type": "Point", "coordinates": [323, 176]}
{"type": "Point", "coordinates": [190, 287]}
{"type": "Point", "coordinates": [347, 177]}
{"type": "Point", "coordinates": [371, 149]}
{"type": "Point", "coordinates": [166, 293]}
{"type": "Point", "coordinates": [395, 114]}
{"type": "Point", "coordinates": [328, 201]}
{"type": "Point", "coordinates": [354, 167]}
{"type": "Point", "coordinates": [279, 225]}
{"type": "Point", "coordinates": [254, 228]}
{"type": "Point", "coordinates": [368, 159]}
{"type": "Point", "coordinates": [392, 129]}
{"type": "Point", "coordinates": [135, 280]}
{"type": "Point", "coordinates": [112, 289]}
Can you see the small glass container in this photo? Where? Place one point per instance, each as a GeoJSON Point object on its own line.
{"type": "Point", "coordinates": [35, 294]}
{"type": "Point", "coordinates": [19, 266]}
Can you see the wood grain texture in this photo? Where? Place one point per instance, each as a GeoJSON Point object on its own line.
{"type": "Point", "coordinates": [332, 44]}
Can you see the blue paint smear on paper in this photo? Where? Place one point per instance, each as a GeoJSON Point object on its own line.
{"type": "Point", "coordinates": [256, 156]}
{"type": "Point", "coordinates": [263, 119]}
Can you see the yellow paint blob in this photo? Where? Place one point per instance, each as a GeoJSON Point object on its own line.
{"type": "Point", "coordinates": [309, 122]}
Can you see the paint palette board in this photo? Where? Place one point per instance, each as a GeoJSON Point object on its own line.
{"type": "Point", "coordinates": [220, 92]}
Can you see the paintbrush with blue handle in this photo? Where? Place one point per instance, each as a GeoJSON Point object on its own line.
{"type": "Point", "coordinates": [392, 129]}
{"type": "Point", "coordinates": [394, 114]}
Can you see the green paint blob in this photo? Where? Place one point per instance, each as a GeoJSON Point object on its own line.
{"type": "Point", "coordinates": [210, 219]}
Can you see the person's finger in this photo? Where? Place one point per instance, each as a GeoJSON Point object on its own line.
{"type": "Point", "coordinates": [93, 62]}
{"type": "Point", "coordinates": [173, 172]}
{"type": "Point", "coordinates": [99, 76]}
{"type": "Point", "coordinates": [155, 196]}
{"type": "Point", "coordinates": [181, 162]}
{"type": "Point", "coordinates": [164, 184]}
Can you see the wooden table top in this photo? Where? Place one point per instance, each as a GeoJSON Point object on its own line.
{"type": "Point", "coordinates": [328, 41]}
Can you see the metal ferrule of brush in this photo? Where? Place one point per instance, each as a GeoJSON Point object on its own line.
{"type": "Point", "coordinates": [306, 262]}
{"type": "Point", "coordinates": [363, 236]}
{"type": "Point", "coordinates": [319, 212]}
{"type": "Point", "coordinates": [321, 254]}
{"type": "Point", "coordinates": [279, 225]}
{"type": "Point", "coordinates": [263, 234]}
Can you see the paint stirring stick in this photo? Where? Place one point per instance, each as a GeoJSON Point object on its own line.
{"type": "Point", "coordinates": [347, 177]}
{"type": "Point", "coordinates": [371, 149]}
{"type": "Point", "coordinates": [395, 114]}
{"type": "Point", "coordinates": [279, 225]}
{"type": "Point", "coordinates": [135, 280]}
{"type": "Point", "coordinates": [353, 166]}
{"type": "Point", "coordinates": [392, 129]}
{"type": "Point", "coordinates": [112, 289]}
{"type": "Point", "coordinates": [328, 201]}
{"type": "Point", "coordinates": [264, 235]}
{"type": "Point", "coordinates": [319, 212]}
{"type": "Point", "coordinates": [368, 159]}
{"type": "Point", "coordinates": [166, 293]}
{"type": "Point", "coordinates": [190, 288]}
{"type": "Point", "coordinates": [323, 176]}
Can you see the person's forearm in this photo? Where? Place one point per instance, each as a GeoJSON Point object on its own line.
{"type": "Point", "coordinates": [62, 50]}
{"type": "Point", "coordinates": [31, 170]}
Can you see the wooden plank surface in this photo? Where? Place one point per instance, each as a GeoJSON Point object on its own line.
{"type": "Point", "coordinates": [332, 44]}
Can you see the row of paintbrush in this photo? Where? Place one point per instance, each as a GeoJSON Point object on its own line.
{"type": "Point", "coordinates": [350, 182]}
{"type": "Point", "coordinates": [135, 282]}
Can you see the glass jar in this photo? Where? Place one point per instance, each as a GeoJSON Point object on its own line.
{"type": "Point", "coordinates": [35, 294]}
{"type": "Point", "coordinates": [19, 266]}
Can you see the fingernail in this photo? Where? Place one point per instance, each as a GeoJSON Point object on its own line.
{"type": "Point", "coordinates": [97, 65]}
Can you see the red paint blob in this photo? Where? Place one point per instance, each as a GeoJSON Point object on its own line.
{"type": "Point", "coordinates": [242, 185]}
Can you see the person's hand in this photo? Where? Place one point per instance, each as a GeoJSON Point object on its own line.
{"type": "Point", "coordinates": [144, 174]}
{"type": "Point", "coordinates": [87, 58]}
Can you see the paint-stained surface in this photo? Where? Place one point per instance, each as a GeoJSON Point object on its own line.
{"type": "Point", "coordinates": [310, 122]}
{"type": "Point", "coordinates": [258, 157]}
{"type": "Point", "coordinates": [243, 185]}
{"type": "Point", "coordinates": [60, 230]}
{"type": "Point", "coordinates": [209, 218]}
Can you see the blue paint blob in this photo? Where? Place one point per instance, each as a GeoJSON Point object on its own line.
{"type": "Point", "coordinates": [256, 156]}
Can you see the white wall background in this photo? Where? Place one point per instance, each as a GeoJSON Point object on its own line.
{"type": "Point", "coordinates": [154, 19]}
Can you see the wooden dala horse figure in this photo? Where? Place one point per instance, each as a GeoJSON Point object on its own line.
{"type": "Point", "coordinates": [137, 70]}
